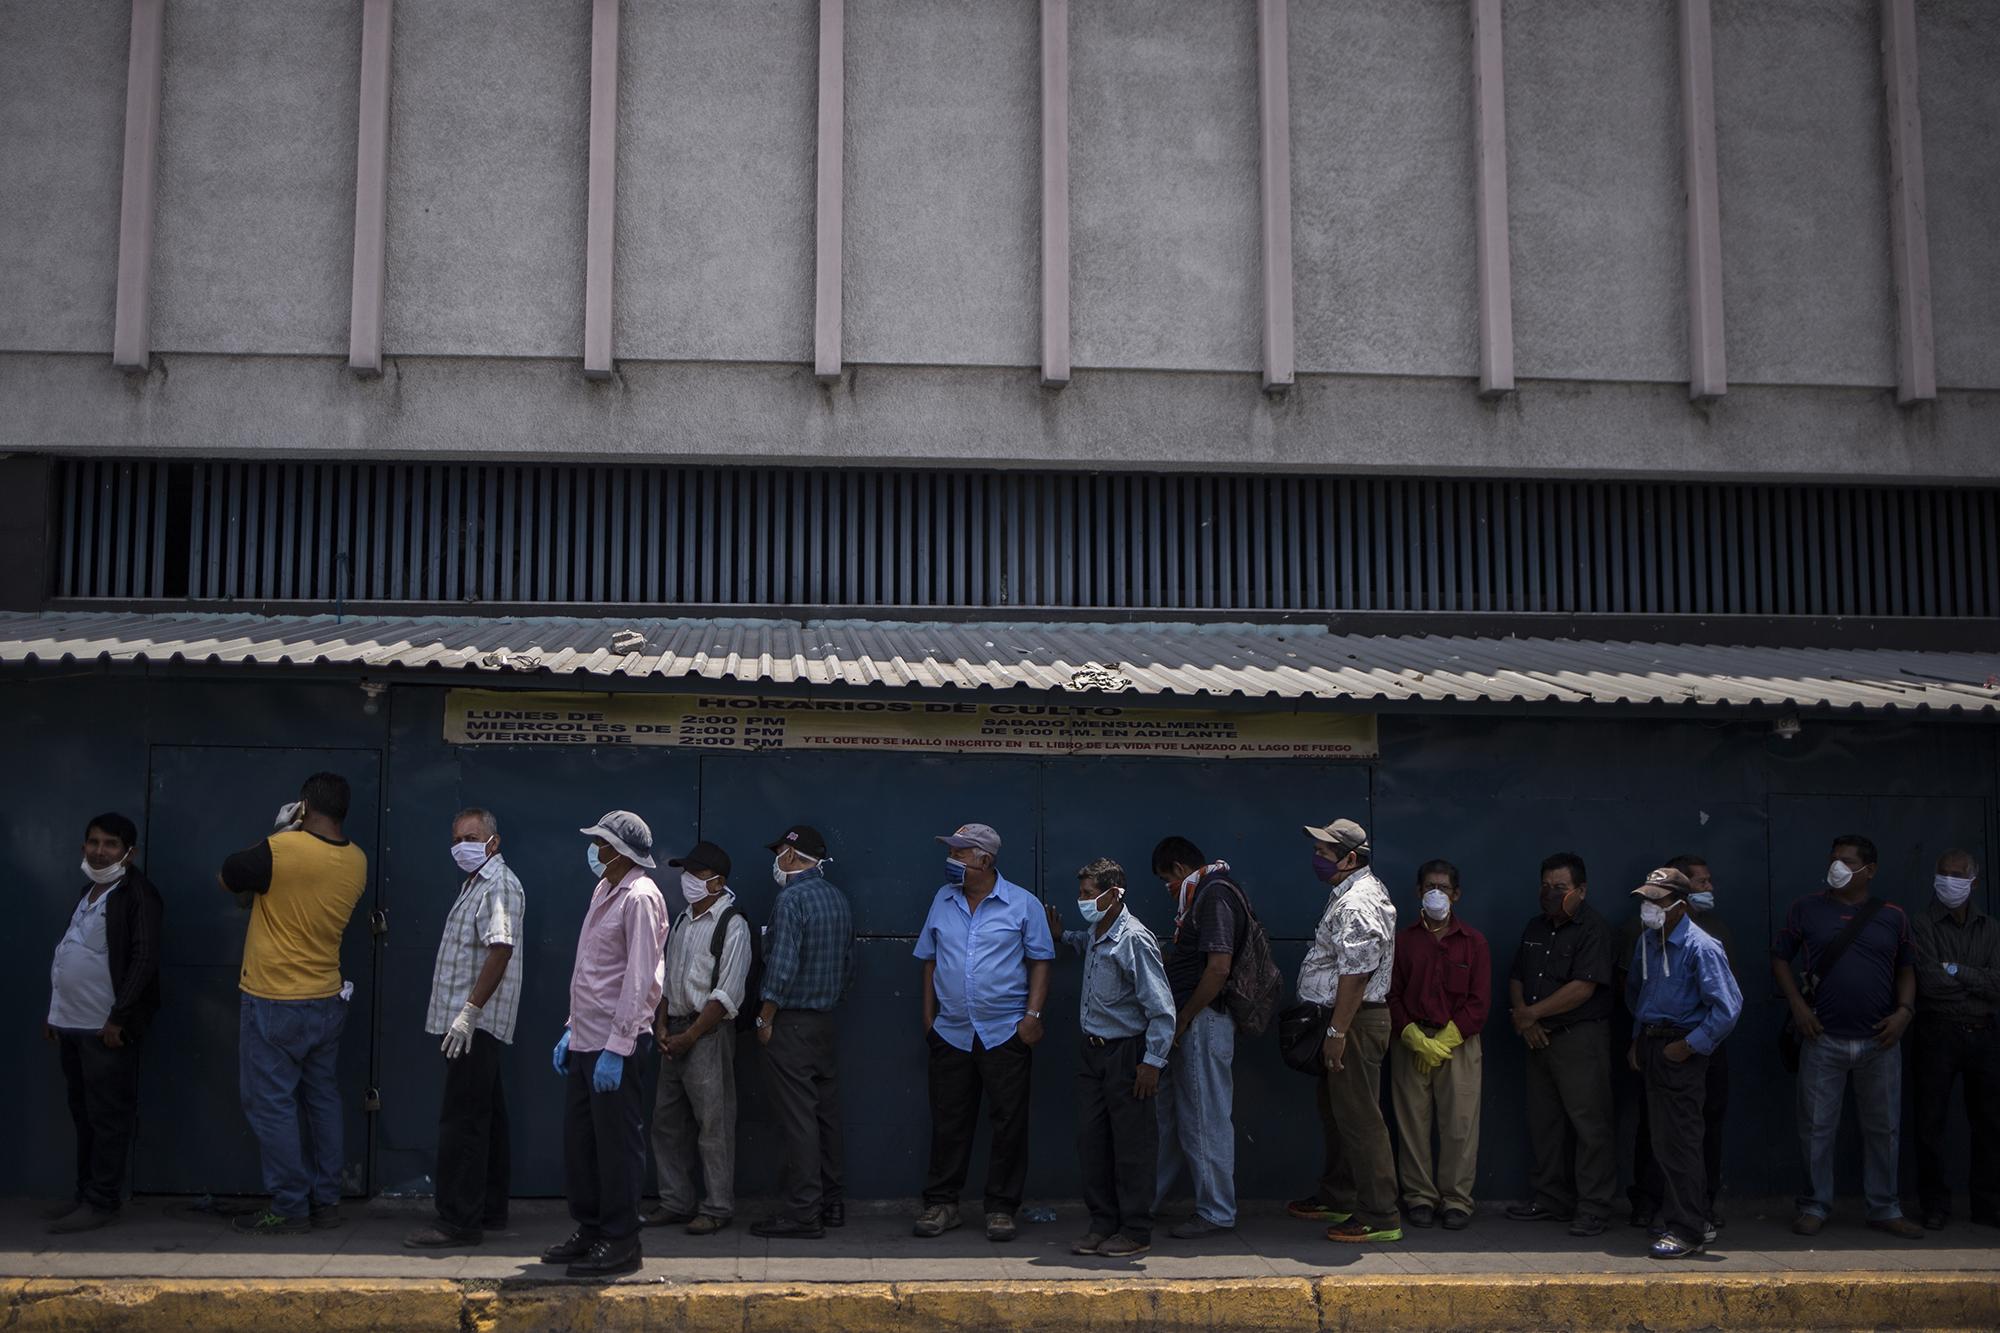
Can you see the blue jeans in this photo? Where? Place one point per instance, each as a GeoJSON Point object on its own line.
{"type": "Point", "coordinates": [1825, 1066]}
{"type": "Point", "coordinates": [1195, 1097]}
{"type": "Point", "coordinates": [286, 1051]}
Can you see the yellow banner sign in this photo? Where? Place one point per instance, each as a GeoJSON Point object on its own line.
{"type": "Point", "coordinates": [726, 722]}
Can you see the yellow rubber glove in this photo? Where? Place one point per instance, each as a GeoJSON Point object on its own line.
{"type": "Point", "coordinates": [1450, 1038]}
{"type": "Point", "coordinates": [1413, 1037]}
{"type": "Point", "coordinates": [1421, 1052]}
{"type": "Point", "coordinates": [1437, 1050]}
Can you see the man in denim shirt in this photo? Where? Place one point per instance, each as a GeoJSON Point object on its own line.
{"type": "Point", "coordinates": [1128, 1030]}
{"type": "Point", "coordinates": [986, 950]}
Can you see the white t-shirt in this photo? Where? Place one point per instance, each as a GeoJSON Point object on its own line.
{"type": "Point", "coordinates": [80, 991]}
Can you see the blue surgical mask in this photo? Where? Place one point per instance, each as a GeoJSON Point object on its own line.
{"type": "Point", "coordinates": [1702, 902]}
{"type": "Point", "coordinates": [1092, 913]}
{"type": "Point", "coordinates": [596, 863]}
{"type": "Point", "coordinates": [954, 870]}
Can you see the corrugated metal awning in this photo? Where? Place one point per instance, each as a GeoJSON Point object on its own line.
{"type": "Point", "coordinates": [1256, 661]}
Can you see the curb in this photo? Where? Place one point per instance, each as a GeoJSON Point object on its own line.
{"type": "Point", "coordinates": [1267, 1305]}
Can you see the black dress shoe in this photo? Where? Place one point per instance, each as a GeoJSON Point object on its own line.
{"type": "Point", "coordinates": [1586, 1224]}
{"type": "Point", "coordinates": [1420, 1215]}
{"type": "Point", "coordinates": [1934, 1221]}
{"type": "Point", "coordinates": [1534, 1212]}
{"type": "Point", "coordinates": [784, 1228]}
{"type": "Point", "coordinates": [608, 1258]}
{"type": "Point", "coordinates": [833, 1214]}
{"type": "Point", "coordinates": [575, 1247]}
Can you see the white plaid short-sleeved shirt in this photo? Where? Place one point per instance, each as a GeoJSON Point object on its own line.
{"type": "Point", "coordinates": [489, 911]}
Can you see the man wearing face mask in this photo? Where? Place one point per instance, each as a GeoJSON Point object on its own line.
{"type": "Point", "coordinates": [694, 1111]}
{"type": "Point", "coordinates": [614, 991]}
{"type": "Point", "coordinates": [1684, 1002]}
{"type": "Point", "coordinates": [1128, 1031]}
{"type": "Point", "coordinates": [985, 949]}
{"type": "Point", "coordinates": [1958, 992]}
{"type": "Point", "coordinates": [104, 987]}
{"type": "Point", "coordinates": [1346, 973]}
{"type": "Point", "coordinates": [1850, 1013]}
{"type": "Point", "coordinates": [1438, 996]}
{"type": "Point", "coordinates": [475, 996]}
{"type": "Point", "coordinates": [1561, 1001]}
{"type": "Point", "coordinates": [1648, 1187]}
{"type": "Point", "coordinates": [808, 968]}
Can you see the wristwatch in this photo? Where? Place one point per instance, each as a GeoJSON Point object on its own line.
{"type": "Point", "coordinates": [762, 1022]}
{"type": "Point", "coordinates": [1333, 1031]}
{"type": "Point", "coordinates": [1035, 1014]}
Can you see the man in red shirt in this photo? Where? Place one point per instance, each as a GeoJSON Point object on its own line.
{"type": "Point", "coordinates": [1438, 992]}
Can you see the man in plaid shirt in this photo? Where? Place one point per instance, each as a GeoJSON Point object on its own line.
{"type": "Point", "coordinates": [808, 966]}
{"type": "Point", "coordinates": [475, 995]}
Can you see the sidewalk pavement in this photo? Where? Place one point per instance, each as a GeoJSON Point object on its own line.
{"type": "Point", "coordinates": [1272, 1272]}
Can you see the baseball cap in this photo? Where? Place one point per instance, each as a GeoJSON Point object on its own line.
{"type": "Point", "coordinates": [1663, 884]}
{"type": "Point", "coordinates": [705, 856]}
{"type": "Point", "coordinates": [627, 833]}
{"type": "Point", "coordinates": [801, 838]}
{"type": "Point", "coordinates": [980, 836]}
{"type": "Point", "coordinates": [1342, 833]}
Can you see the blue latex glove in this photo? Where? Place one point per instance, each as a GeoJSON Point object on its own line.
{"type": "Point", "coordinates": [562, 1054]}
{"type": "Point", "coordinates": [610, 1069]}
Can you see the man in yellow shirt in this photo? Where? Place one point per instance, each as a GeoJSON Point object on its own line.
{"type": "Point", "coordinates": [302, 883]}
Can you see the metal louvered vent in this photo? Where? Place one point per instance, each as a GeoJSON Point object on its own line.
{"type": "Point", "coordinates": [458, 533]}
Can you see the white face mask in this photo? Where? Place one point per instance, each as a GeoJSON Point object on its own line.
{"type": "Point", "coordinates": [693, 887]}
{"type": "Point", "coordinates": [469, 855]}
{"type": "Point", "coordinates": [111, 874]}
{"type": "Point", "coordinates": [1652, 916]}
{"type": "Point", "coordinates": [1838, 876]}
{"type": "Point", "coordinates": [1437, 904]}
{"type": "Point", "coordinates": [781, 876]}
{"type": "Point", "coordinates": [1952, 891]}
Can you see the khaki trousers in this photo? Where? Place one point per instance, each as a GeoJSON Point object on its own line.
{"type": "Point", "coordinates": [1447, 1098]}
{"type": "Point", "coordinates": [1360, 1175]}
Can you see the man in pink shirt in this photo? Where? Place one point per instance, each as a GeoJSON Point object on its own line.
{"type": "Point", "coordinates": [612, 995]}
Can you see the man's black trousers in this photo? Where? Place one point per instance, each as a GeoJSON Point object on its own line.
{"type": "Point", "coordinates": [473, 1163]}
{"type": "Point", "coordinates": [957, 1079]}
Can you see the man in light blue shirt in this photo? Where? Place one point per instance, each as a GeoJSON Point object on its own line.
{"type": "Point", "coordinates": [986, 949]}
{"type": "Point", "coordinates": [1128, 1020]}
{"type": "Point", "coordinates": [1684, 1002]}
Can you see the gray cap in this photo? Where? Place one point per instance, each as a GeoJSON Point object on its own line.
{"type": "Point", "coordinates": [1342, 833]}
{"type": "Point", "coordinates": [627, 833]}
{"type": "Point", "coordinates": [981, 836]}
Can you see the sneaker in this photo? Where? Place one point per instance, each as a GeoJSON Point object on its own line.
{"type": "Point", "coordinates": [1088, 1243]}
{"type": "Point", "coordinates": [663, 1217]}
{"type": "Point", "coordinates": [1420, 1215]}
{"type": "Point", "coordinates": [1354, 1231]}
{"type": "Point", "coordinates": [1586, 1224]}
{"type": "Point", "coordinates": [83, 1217]}
{"type": "Point", "coordinates": [1902, 1228]}
{"type": "Point", "coordinates": [1000, 1226]}
{"type": "Point", "coordinates": [706, 1225]}
{"type": "Point", "coordinates": [1195, 1228]}
{"type": "Point", "coordinates": [1456, 1219]}
{"type": "Point", "coordinates": [936, 1220]}
{"type": "Point", "coordinates": [1310, 1209]}
{"type": "Point", "coordinates": [268, 1223]}
{"type": "Point", "coordinates": [1671, 1246]}
{"type": "Point", "coordinates": [1807, 1224]}
{"type": "Point", "coordinates": [1122, 1246]}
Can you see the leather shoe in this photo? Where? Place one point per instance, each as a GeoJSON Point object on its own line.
{"type": "Point", "coordinates": [565, 1251]}
{"type": "Point", "coordinates": [1456, 1219]}
{"type": "Point", "coordinates": [1586, 1224]}
{"type": "Point", "coordinates": [660, 1217]}
{"type": "Point", "coordinates": [440, 1237]}
{"type": "Point", "coordinates": [1935, 1221]}
{"type": "Point", "coordinates": [608, 1258]}
{"type": "Point", "coordinates": [1534, 1212]}
{"type": "Point", "coordinates": [1807, 1224]}
{"type": "Point", "coordinates": [833, 1214]}
{"type": "Point", "coordinates": [1420, 1215]}
{"type": "Point", "coordinates": [1902, 1228]}
{"type": "Point", "coordinates": [784, 1228]}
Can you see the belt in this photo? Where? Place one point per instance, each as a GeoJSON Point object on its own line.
{"type": "Point", "coordinates": [1671, 1031]}
{"type": "Point", "coordinates": [1101, 1042]}
{"type": "Point", "coordinates": [1374, 1004]}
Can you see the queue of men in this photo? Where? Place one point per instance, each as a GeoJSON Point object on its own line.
{"type": "Point", "coordinates": [1154, 1088]}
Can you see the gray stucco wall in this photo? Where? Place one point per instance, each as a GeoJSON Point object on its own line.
{"type": "Point", "coordinates": [62, 147]}
{"type": "Point", "coordinates": [487, 197]}
{"type": "Point", "coordinates": [1163, 184]}
{"type": "Point", "coordinates": [1958, 54]}
{"type": "Point", "coordinates": [1802, 162]}
{"type": "Point", "coordinates": [489, 134]}
{"type": "Point", "coordinates": [254, 237]}
{"type": "Point", "coordinates": [1594, 181]}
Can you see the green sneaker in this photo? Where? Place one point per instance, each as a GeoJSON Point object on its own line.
{"type": "Point", "coordinates": [1310, 1209]}
{"type": "Point", "coordinates": [268, 1223]}
{"type": "Point", "coordinates": [1356, 1232]}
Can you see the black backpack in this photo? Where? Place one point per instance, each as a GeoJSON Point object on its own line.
{"type": "Point", "coordinates": [1255, 985]}
{"type": "Point", "coordinates": [753, 980]}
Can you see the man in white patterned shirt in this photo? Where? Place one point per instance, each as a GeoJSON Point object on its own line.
{"type": "Point", "coordinates": [694, 1109]}
{"type": "Point", "coordinates": [1346, 973]}
{"type": "Point", "coordinates": [475, 995]}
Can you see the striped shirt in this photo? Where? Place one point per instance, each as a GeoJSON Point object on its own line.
{"type": "Point", "coordinates": [694, 974]}
{"type": "Point", "coordinates": [809, 958]}
{"type": "Point", "coordinates": [490, 908]}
